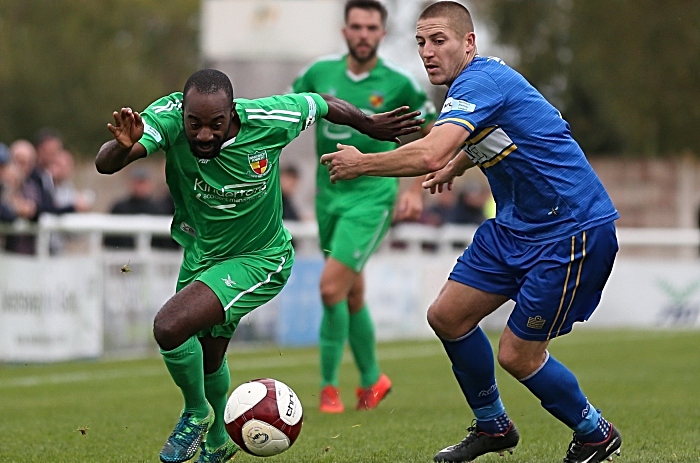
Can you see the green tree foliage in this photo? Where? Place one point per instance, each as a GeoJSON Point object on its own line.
{"type": "Point", "coordinates": [68, 64]}
{"type": "Point", "coordinates": [625, 73]}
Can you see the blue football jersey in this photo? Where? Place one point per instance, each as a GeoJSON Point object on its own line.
{"type": "Point", "coordinates": [543, 186]}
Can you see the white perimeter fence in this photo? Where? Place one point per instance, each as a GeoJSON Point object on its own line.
{"type": "Point", "coordinates": [81, 304]}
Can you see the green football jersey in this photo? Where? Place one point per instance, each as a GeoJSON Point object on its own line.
{"type": "Point", "coordinates": [382, 89]}
{"type": "Point", "coordinates": [231, 204]}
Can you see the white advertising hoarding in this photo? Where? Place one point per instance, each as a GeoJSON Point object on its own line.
{"type": "Point", "coordinates": [64, 308]}
{"type": "Point", "coordinates": [50, 309]}
{"type": "Point", "coordinates": [651, 293]}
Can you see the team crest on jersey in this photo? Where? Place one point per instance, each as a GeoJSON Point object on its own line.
{"type": "Point", "coordinates": [376, 100]}
{"type": "Point", "coordinates": [258, 162]}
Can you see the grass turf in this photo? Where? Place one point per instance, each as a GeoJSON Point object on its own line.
{"type": "Point", "coordinates": [646, 383]}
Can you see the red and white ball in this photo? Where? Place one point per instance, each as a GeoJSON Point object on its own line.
{"type": "Point", "coordinates": [263, 417]}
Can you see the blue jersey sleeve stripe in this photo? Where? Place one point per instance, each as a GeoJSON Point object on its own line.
{"type": "Point", "coordinates": [466, 124]}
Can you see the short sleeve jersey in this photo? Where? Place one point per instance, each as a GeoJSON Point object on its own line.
{"type": "Point", "coordinates": [384, 88]}
{"type": "Point", "coordinates": [542, 183]}
{"type": "Point", "coordinates": [231, 204]}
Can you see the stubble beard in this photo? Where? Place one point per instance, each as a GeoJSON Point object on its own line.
{"type": "Point", "coordinates": [362, 60]}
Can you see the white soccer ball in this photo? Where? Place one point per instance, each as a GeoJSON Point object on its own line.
{"type": "Point", "coordinates": [263, 417]}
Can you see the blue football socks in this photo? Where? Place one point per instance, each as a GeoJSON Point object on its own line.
{"type": "Point", "coordinates": [560, 394]}
{"type": "Point", "coordinates": [473, 366]}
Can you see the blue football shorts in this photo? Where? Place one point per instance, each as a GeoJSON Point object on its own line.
{"type": "Point", "coordinates": [553, 285]}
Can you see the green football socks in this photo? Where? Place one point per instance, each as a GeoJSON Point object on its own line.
{"type": "Point", "coordinates": [364, 347]}
{"type": "Point", "coordinates": [216, 386]}
{"type": "Point", "coordinates": [333, 334]}
{"type": "Point", "coordinates": [186, 366]}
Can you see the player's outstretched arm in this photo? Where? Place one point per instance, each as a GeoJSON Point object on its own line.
{"type": "Point", "coordinates": [383, 126]}
{"type": "Point", "coordinates": [428, 154]}
{"type": "Point", "coordinates": [124, 149]}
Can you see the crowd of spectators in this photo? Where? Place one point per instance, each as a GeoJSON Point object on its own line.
{"type": "Point", "coordinates": [35, 178]}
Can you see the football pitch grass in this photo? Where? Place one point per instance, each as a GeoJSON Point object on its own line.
{"type": "Point", "coordinates": [646, 383]}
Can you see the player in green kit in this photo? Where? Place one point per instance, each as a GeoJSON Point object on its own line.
{"type": "Point", "coordinates": [354, 216]}
{"type": "Point", "coordinates": [223, 173]}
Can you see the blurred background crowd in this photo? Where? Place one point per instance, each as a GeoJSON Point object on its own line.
{"type": "Point", "coordinates": [37, 177]}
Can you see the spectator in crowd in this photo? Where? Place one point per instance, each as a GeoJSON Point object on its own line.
{"type": "Point", "coordinates": [49, 145]}
{"type": "Point", "coordinates": [140, 200]}
{"type": "Point", "coordinates": [36, 186]}
{"type": "Point", "coordinates": [19, 207]}
{"type": "Point", "coordinates": [24, 189]}
{"type": "Point", "coordinates": [10, 178]}
{"type": "Point", "coordinates": [51, 156]}
{"type": "Point", "coordinates": [39, 179]}
{"type": "Point", "coordinates": [65, 195]}
{"type": "Point", "coordinates": [61, 170]}
{"type": "Point", "coordinates": [289, 180]}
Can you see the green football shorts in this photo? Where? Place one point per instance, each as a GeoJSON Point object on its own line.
{"type": "Point", "coordinates": [242, 283]}
{"type": "Point", "coordinates": [352, 237]}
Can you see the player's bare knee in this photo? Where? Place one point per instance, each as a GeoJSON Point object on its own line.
{"type": "Point", "coordinates": [509, 360]}
{"type": "Point", "coordinates": [438, 322]}
{"type": "Point", "coordinates": [167, 332]}
{"type": "Point", "coordinates": [518, 364]}
{"type": "Point", "coordinates": [331, 293]}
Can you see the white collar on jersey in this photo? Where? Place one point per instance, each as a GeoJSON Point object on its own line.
{"type": "Point", "coordinates": [356, 77]}
{"type": "Point", "coordinates": [228, 143]}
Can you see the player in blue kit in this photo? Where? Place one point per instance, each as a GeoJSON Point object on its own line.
{"type": "Point", "coordinates": [550, 248]}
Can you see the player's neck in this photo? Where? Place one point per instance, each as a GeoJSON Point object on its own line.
{"type": "Point", "coordinates": [234, 128]}
{"type": "Point", "coordinates": [356, 67]}
{"type": "Point", "coordinates": [467, 61]}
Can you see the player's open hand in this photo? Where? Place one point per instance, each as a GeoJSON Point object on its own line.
{"type": "Point", "coordinates": [127, 128]}
{"type": "Point", "coordinates": [393, 124]}
{"type": "Point", "coordinates": [439, 181]}
{"type": "Point", "coordinates": [344, 164]}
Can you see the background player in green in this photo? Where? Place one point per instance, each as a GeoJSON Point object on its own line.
{"type": "Point", "coordinates": [223, 173]}
{"type": "Point", "coordinates": [354, 216]}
